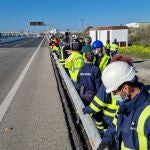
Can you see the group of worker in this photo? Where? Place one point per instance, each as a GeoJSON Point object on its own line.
{"type": "Point", "coordinates": [111, 49]}
{"type": "Point", "coordinates": [111, 93]}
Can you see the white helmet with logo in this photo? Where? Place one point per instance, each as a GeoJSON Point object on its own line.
{"type": "Point", "coordinates": [115, 74]}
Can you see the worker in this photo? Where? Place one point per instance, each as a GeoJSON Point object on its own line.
{"type": "Point", "coordinates": [55, 46]}
{"type": "Point", "coordinates": [130, 128]}
{"type": "Point", "coordinates": [76, 38]}
{"type": "Point", "coordinates": [104, 107]}
{"type": "Point", "coordinates": [66, 38]}
{"type": "Point", "coordinates": [75, 61]}
{"type": "Point", "coordinates": [55, 43]}
{"type": "Point", "coordinates": [81, 40]}
{"type": "Point", "coordinates": [51, 40]}
{"type": "Point", "coordinates": [89, 79]}
{"type": "Point", "coordinates": [102, 60]}
{"type": "Point", "coordinates": [63, 54]}
{"type": "Point", "coordinates": [103, 104]}
{"type": "Point", "coordinates": [113, 48]}
{"type": "Point", "coordinates": [87, 48]}
{"type": "Point", "coordinates": [107, 47]}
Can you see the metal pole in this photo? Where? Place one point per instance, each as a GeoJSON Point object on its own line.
{"type": "Point", "coordinates": [82, 20]}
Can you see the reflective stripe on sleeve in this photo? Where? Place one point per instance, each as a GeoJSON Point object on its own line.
{"type": "Point", "coordinates": [109, 113]}
{"type": "Point", "coordinates": [142, 139]}
{"type": "Point", "coordinates": [115, 121]}
{"type": "Point", "coordinates": [125, 148]}
{"type": "Point", "coordinates": [93, 107]}
{"type": "Point", "coordinates": [100, 127]}
{"type": "Point", "coordinates": [99, 123]}
{"type": "Point", "coordinates": [101, 103]}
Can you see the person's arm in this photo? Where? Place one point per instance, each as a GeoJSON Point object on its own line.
{"type": "Point", "coordinates": [78, 84]}
{"type": "Point", "coordinates": [143, 129]}
{"type": "Point", "coordinates": [97, 77]}
{"type": "Point", "coordinates": [68, 62]}
{"type": "Point", "coordinates": [108, 141]}
{"type": "Point", "coordinates": [98, 101]}
{"type": "Point", "coordinates": [147, 131]}
{"type": "Point", "coordinates": [87, 110]}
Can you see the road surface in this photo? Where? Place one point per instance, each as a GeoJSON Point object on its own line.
{"type": "Point", "coordinates": [34, 119]}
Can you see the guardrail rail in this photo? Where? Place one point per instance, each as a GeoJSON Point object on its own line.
{"type": "Point", "coordinates": [87, 122]}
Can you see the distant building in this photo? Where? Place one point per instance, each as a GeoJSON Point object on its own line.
{"type": "Point", "coordinates": [112, 32]}
{"type": "Point", "coordinates": [53, 31]}
{"type": "Point", "coordinates": [138, 24]}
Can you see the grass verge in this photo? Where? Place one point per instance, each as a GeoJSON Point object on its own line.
{"type": "Point", "coordinates": [136, 51]}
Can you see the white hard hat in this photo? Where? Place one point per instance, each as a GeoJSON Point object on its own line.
{"type": "Point", "coordinates": [115, 74]}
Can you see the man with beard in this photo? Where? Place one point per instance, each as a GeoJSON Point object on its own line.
{"type": "Point", "coordinates": [130, 128]}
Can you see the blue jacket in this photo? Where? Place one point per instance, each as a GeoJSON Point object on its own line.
{"type": "Point", "coordinates": [131, 129]}
{"type": "Point", "coordinates": [90, 77]}
{"type": "Point", "coordinates": [103, 102]}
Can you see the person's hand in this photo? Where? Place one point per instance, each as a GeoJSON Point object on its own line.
{"type": "Point", "coordinates": [87, 110]}
{"type": "Point", "coordinates": [84, 110]}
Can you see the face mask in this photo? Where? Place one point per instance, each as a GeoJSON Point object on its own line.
{"type": "Point", "coordinates": [94, 51]}
{"type": "Point", "coordinates": [118, 98]}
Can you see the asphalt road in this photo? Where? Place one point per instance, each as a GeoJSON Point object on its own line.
{"type": "Point", "coordinates": [13, 58]}
{"type": "Point", "coordinates": [34, 119]}
{"type": "Point", "coordinates": [142, 67]}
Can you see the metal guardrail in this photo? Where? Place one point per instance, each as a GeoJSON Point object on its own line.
{"type": "Point", "coordinates": [88, 123]}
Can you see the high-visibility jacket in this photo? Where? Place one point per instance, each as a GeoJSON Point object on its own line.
{"type": "Point", "coordinates": [104, 106]}
{"type": "Point", "coordinates": [62, 54]}
{"type": "Point", "coordinates": [107, 45]}
{"type": "Point", "coordinates": [131, 129]}
{"type": "Point", "coordinates": [74, 63]}
{"type": "Point", "coordinates": [55, 48]}
{"type": "Point", "coordinates": [104, 62]}
{"type": "Point", "coordinates": [51, 42]}
{"type": "Point", "coordinates": [105, 103]}
{"type": "Point", "coordinates": [114, 47]}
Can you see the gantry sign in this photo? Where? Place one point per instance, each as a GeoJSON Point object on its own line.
{"type": "Point", "coordinates": [36, 23]}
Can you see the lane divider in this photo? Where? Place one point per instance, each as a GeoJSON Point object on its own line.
{"type": "Point", "coordinates": [8, 99]}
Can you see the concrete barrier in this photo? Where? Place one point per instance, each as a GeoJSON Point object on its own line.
{"type": "Point", "coordinates": [11, 39]}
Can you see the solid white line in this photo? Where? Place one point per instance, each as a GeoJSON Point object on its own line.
{"type": "Point", "coordinates": [47, 38]}
{"type": "Point", "coordinates": [8, 99]}
{"type": "Point", "coordinates": [16, 45]}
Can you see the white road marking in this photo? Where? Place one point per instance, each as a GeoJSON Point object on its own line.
{"type": "Point", "coordinates": [8, 99]}
{"type": "Point", "coordinates": [17, 45]}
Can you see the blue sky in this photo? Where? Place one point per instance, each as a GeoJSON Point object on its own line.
{"type": "Point", "coordinates": [63, 14]}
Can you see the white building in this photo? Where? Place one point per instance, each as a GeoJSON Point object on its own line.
{"type": "Point", "coordinates": [138, 24]}
{"type": "Point", "coordinates": [113, 32]}
{"type": "Point", "coordinates": [53, 31]}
